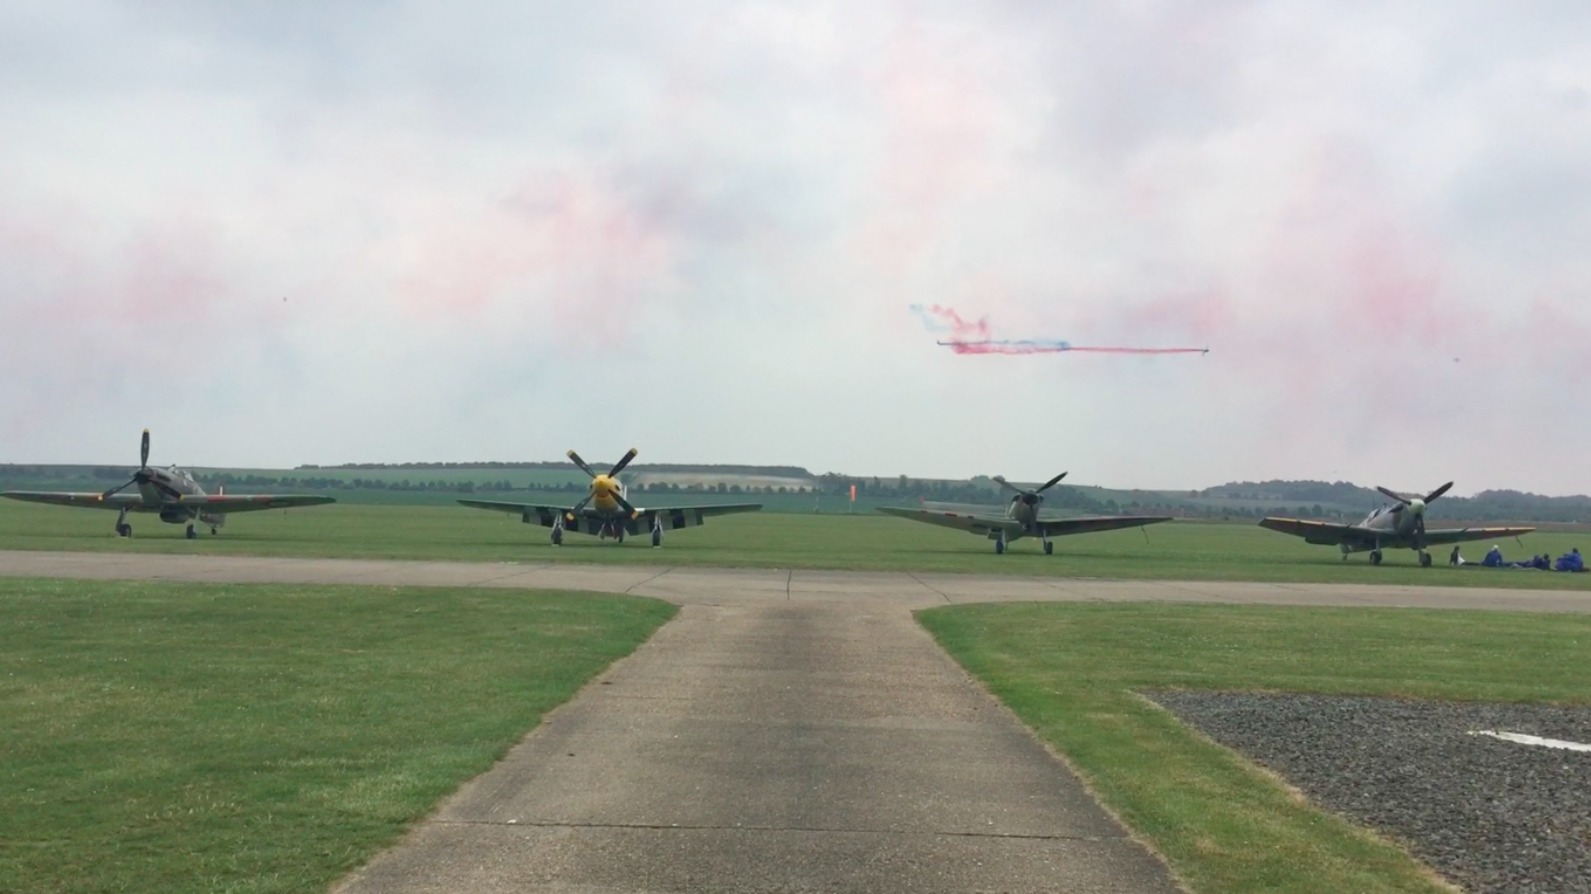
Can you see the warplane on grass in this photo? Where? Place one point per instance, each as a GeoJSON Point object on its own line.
{"type": "Point", "coordinates": [1022, 518]}
{"type": "Point", "coordinates": [1399, 526]}
{"type": "Point", "coordinates": [171, 492]}
{"type": "Point", "coordinates": [606, 511]}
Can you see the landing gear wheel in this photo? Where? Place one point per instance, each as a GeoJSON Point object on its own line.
{"type": "Point", "coordinates": [1425, 559]}
{"type": "Point", "coordinates": [1049, 547]}
{"type": "Point", "coordinates": [999, 546]}
{"type": "Point", "coordinates": [1375, 557]}
{"type": "Point", "coordinates": [619, 537]}
{"type": "Point", "coordinates": [657, 537]}
{"type": "Point", "coordinates": [557, 536]}
{"type": "Point", "coordinates": [191, 533]}
{"type": "Point", "coordinates": [214, 531]}
{"type": "Point", "coordinates": [124, 530]}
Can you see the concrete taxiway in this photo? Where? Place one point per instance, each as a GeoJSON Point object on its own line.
{"type": "Point", "coordinates": [736, 586]}
{"type": "Point", "coordinates": [788, 731]}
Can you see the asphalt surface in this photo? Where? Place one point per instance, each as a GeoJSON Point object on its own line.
{"type": "Point", "coordinates": [789, 731]}
{"type": "Point", "coordinates": [1497, 817]}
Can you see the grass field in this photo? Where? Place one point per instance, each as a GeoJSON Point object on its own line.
{"type": "Point", "coordinates": [263, 738]}
{"type": "Point", "coordinates": [1170, 551]}
{"type": "Point", "coordinates": [1071, 673]}
{"type": "Point", "coordinates": [250, 738]}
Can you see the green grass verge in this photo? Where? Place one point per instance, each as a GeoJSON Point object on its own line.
{"type": "Point", "coordinates": [243, 738]}
{"type": "Point", "coordinates": [1072, 673]}
{"type": "Point", "coordinates": [1171, 551]}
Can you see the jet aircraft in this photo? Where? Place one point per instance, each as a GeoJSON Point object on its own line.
{"type": "Point", "coordinates": [1401, 525]}
{"type": "Point", "coordinates": [606, 511]}
{"type": "Point", "coordinates": [173, 493]}
{"type": "Point", "coordinates": [1022, 519]}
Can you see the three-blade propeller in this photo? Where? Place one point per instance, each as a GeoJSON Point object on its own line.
{"type": "Point", "coordinates": [1417, 505]}
{"type": "Point", "coordinates": [605, 482]}
{"type": "Point", "coordinates": [138, 476]}
{"type": "Point", "coordinates": [1030, 497]}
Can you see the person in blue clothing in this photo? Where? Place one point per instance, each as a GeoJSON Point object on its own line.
{"type": "Point", "coordinates": [1571, 561]}
{"type": "Point", "coordinates": [1494, 557]}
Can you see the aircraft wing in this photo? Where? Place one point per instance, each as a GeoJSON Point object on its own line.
{"type": "Point", "coordinates": [669, 517]}
{"type": "Point", "coordinates": [1437, 536]}
{"type": "Point", "coordinates": [1361, 538]}
{"type": "Point", "coordinates": [1060, 527]}
{"type": "Point", "coordinates": [986, 525]}
{"type": "Point", "coordinates": [1328, 533]}
{"type": "Point", "coordinates": [528, 512]}
{"type": "Point", "coordinates": [117, 502]}
{"type": "Point", "coordinates": [228, 503]}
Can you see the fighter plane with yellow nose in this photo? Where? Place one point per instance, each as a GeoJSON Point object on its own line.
{"type": "Point", "coordinates": [606, 510]}
{"type": "Point", "coordinates": [173, 493]}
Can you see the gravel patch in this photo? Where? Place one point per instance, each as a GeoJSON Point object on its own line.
{"type": "Point", "coordinates": [1490, 815]}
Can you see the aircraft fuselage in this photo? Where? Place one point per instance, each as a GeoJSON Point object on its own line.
{"type": "Point", "coordinates": [1399, 524]}
{"type": "Point", "coordinates": [1025, 513]}
{"type": "Point", "coordinates": [162, 489]}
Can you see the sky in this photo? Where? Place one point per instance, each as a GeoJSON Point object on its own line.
{"type": "Point", "coordinates": [279, 233]}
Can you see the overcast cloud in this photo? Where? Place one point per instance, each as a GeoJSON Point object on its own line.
{"type": "Point", "coordinates": [280, 233]}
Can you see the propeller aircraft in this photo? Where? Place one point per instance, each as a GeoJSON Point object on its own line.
{"type": "Point", "coordinates": [606, 511]}
{"type": "Point", "coordinates": [1022, 519]}
{"type": "Point", "coordinates": [1391, 527]}
{"type": "Point", "coordinates": [171, 492]}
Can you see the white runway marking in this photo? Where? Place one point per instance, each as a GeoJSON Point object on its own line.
{"type": "Point", "coordinates": [1524, 739]}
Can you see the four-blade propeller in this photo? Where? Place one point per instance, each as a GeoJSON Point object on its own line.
{"type": "Point", "coordinates": [1417, 506]}
{"type": "Point", "coordinates": [138, 476]}
{"type": "Point", "coordinates": [605, 484]}
{"type": "Point", "coordinates": [1030, 497]}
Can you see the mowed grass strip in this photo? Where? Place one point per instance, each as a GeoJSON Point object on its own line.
{"type": "Point", "coordinates": [864, 542]}
{"type": "Point", "coordinates": [246, 738]}
{"type": "Point", "coordinates": [1072, 672]}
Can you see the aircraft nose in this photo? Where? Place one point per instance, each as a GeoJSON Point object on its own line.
{"type": "Point", "coordinates": [1418, 506]}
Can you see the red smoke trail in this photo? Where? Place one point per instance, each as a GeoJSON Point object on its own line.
{"type": "Point", "coordinates": [942, 319]}
{"type": "Point", "coordinates": [1054, 347]}
{"type": "Point", "coordinates": [973, 338]}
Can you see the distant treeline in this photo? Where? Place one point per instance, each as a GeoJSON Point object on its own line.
{"type": "Point", "coordinates": [562, 464]}
{"type": "Point", "coordinates": [1493, 505]}
{"type": "Point", "coordinates": [1339, 501]}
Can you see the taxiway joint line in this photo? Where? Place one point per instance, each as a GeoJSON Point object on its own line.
{"type": "Point", "coordinates": [929, 587]}
{"type": "Point", "coordinates": [630, 590]}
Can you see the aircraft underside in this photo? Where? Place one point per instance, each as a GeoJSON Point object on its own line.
{"type": "Point", "coordinates": [1003, 539]}
{"type": "Point", "coordinates": [1376, 551]}
{"type": "Point", "coordinates": [173, 515]}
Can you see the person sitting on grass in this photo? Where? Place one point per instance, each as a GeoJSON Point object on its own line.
{"type": "Point", "coordinates": [1571, 561]}
{"type": "Point", "coordinates": [1494, 557]}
